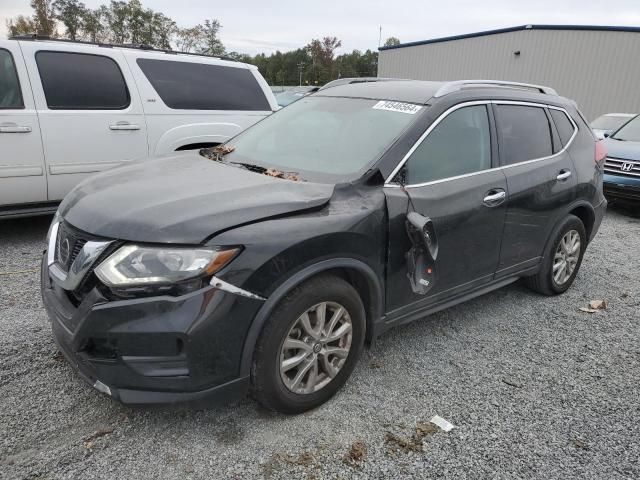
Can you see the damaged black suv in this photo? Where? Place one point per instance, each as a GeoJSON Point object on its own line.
{"type": "Point", "coordinates": [266, 263]}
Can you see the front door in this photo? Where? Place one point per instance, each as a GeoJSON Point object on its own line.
{"type": "Point", "coordinates": [449, 178]}
{"type": "Point", "coordinates": [90, 113]}
{"type": "Point", "coordinates": [22, 174]}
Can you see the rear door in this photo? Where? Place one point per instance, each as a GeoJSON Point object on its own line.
{"type": "Point", "coordinates": [195, 101]}
{"type": "Point", "coordinates": [22, 174]}
{"type": "Point", "coordinates": [540, 181]}
{"type": "Point", "coordinates": [90, 113]}
{"type": "Point", "coordinates": [450, 177]}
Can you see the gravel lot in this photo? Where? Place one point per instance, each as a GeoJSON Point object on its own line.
{"type": "Point", "coordinates": [536, 389]}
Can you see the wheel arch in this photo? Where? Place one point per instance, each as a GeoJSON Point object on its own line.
{"type": "Point", "coordinates": [587, 215]}
{"type": "Point", "coordinates": [360, 275]}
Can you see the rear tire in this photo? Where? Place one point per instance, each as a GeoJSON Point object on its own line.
{"type": "Point", "coordinates": [561, 261]}
{"type": "Point", "coordinates": [297, 320]}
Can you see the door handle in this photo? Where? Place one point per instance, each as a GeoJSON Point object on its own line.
{"type": "Point", "coordinates": [494, 197]}
{"type": "Point", "coordinates": [14, 129]}
{"type": "Point", "coordinates": [124, 126]}
{"type": "Point", "coordinates": [564, 174]}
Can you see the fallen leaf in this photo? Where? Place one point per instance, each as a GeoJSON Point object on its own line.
{"type": "Point", "coordinates": [424, 429]}
{"type": "Point", "coordinates": [406, 444]}
{"type": "Point", "coordinates": [356, 453]}
{"type": "Point", "coordinates": [587, 310]}
{"type": "Point", "coordinates": [375, 364]}
{"type": "Point", "coordinates": [101, 432]}
{"type": "Point", "coordinates": [511, 383]}
{"type": "Point", "coordinates": [580, 444]}
{"type": "Point", "coordinates": [598, 304]}
{"type": "Point", "coordinates": [88, 445]}
{"type": "Point", "coordinates": [18, 272]}
{"type": "Point", "coordinates": [304, 459]}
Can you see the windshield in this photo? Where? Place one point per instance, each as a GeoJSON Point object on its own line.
{"type": "Point", "coordinates": [323, 138]}
{"type": "Point", "coordinates": [630, 132]}
{"type": "Point", "coordinates": [609, 122]}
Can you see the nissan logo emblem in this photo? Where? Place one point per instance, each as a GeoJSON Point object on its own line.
{"type": "Point", "coordinates": [626, 167]}
{"type": "Point", "coordinates": [63, 251]}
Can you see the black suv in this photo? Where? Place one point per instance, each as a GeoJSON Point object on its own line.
{"type": "Point", "coordinates": [264, 264]}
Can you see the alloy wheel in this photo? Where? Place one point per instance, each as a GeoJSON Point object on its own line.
{"type": "Point", "coordinates": [316, 348]}
{"type": "Point", "coordinates": [566, 257]}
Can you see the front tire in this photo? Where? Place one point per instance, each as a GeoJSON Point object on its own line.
{"type": "Point", "coordinates": [562, 258]}
{"type": "Point", "coordinates": [309, 346]}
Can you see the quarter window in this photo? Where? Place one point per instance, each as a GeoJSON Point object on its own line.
{"type": "Point", "coordinates": [10, 93]}
{"type": "Point", "coordinates": [459, 144]}
{"type": "Point", "coordinates": [563, 125]}
{"type": "Point", "coordinates": [524, 133]}
{"type": "Point", "coordinates": [198, 86]}
{"type": "Point", "coordinates": [78, 81]}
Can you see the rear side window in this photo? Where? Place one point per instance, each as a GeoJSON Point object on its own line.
{"type": "Point", "coordinates": [10, 93]}
{"type": "Point", "coordinates": [197, 86]}
{"type": "Point", "coordinates": [78, 81]}
{"type": "Point", "coordinates": [459, 144]}
{"type": "Point", "coordinates": [524, 133]}
{"type": "Point", "coordinates": [563, 125]}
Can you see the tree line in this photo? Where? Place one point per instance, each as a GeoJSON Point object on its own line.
{"type": "Point", "coordinates": [129, 22]}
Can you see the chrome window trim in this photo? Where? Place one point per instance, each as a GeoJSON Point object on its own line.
{"type": "Point", "coordinates": [388, 182]}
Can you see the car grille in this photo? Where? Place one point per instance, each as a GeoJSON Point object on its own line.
{"type": "Point", "coordinates": [68, 244]}
{"type": "Point", "coordinates": [625, 168]}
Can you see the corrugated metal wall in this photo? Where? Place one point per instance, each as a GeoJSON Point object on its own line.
{"type": "Point", "coordinates": [598, 69]}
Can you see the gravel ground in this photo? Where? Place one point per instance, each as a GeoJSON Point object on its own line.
{"type": "Point", "coordinates": [535, 388]}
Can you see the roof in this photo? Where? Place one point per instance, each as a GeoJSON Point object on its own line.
{"type": "Point", "coordinates": [411, 91]}
{"type": "Point", "coordinates": [599, 28]}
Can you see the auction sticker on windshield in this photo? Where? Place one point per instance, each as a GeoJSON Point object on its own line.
{"type": "Point", "coordinates": [401, 107]}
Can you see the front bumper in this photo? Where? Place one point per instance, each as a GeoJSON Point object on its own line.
{"type": "Point", "coordinates": [157, 350]}
{"type": "Point", "coordinates": [622, 188]}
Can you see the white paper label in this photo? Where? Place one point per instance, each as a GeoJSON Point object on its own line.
{"type": "Point", "coordinates": [401, 107]}
{"type": "Point", "coordinates": [442, 423]}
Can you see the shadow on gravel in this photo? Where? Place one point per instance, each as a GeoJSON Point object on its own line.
{"type": "Point", "coordinates": [626, 209]}
{"type": "Point", "coordinates": [25, 229]}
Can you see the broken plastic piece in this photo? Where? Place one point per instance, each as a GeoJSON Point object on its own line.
{"type": "Point", "coordinates": [442, 423]}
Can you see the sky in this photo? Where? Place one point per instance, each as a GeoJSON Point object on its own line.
{"type": "Point", "coordinates": [254, 26]}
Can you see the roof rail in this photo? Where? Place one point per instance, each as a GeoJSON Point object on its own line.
{"type": "Point", "coordinates": [350, 80]}
{"type": "Point", "coordinates": [450, 87]}
{"type": "Point", "coordinates": [136, 46]}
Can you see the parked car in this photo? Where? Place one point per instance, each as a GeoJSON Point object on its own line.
{"type": "Point", "coordinates": [289, 96]}
{"type": "Point", "coordinates": [606, 124]}
{"type": "Point", "coordinates": [622, 165]}
{"type": "Point", "coordinates": [266, 263]}
{"type": "Point", "coordinates": [71, 109]}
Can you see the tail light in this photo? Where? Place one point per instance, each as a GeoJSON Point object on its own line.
{"type": "Point", "coordinates": [601, 152]}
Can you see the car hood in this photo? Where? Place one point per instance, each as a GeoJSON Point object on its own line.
{"type": "Point", "coordinates": [183, 198]}
{"type": "Point", "coordinates": [624, 150]}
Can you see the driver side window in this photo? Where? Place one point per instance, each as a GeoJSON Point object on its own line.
{"type": "Point", "coordinates": [459, 144]}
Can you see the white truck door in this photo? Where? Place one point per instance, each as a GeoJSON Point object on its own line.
{"type": "Point", "coordinates": [90, 112]}
{"type": "Point", "coordinates": [22, 174]}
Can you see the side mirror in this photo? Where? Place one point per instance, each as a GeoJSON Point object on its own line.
{"type": "Point", "coordinates": [424, 231]}
{"type": "Point", "coordinates": [421, 258]}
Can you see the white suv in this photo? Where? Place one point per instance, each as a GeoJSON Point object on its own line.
{"type": "Point", "coordinates": [70, 109]}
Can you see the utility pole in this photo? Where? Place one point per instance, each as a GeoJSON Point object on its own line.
{"type": "Point", "coordinates": [380, 37]}
{"type": "Point", "coordinates": [300, 70]}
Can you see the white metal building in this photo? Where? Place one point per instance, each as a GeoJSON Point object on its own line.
{"type": "Point", "coordinates": [597, 66]}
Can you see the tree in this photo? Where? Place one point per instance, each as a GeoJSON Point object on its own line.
{"type": "Point", "coordinates": [44, 17]}
{"type": "Point", "coordinates": [322, 56]}
{"type": "Point", "coordinates": [212, 44]}
{"type": "Point", "coordinates": [391, 41]}
{"type": "Point", "coordinates": [94, 24]}
{"type": "Point", "coordinates": [21, 25]}
{"type": "Point", "coordinates": [190, 39]}
{"type": "Point", "coordinates": [72, 14]}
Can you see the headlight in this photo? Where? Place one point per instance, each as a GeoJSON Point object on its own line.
{"type": "Point", "coordinates": [137, 265]}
